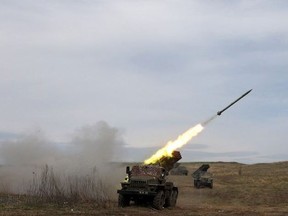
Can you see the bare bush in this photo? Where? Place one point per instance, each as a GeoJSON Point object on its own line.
{"type": "Point", "coordinates": [61, 189]}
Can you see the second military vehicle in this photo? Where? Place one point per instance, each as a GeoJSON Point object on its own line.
{"type": "Point", "coordinates": [179, 170]}
{"type": "Point", "coordinates": [147, 184]}
{"type": "Point", "coordinates": [202, 178]}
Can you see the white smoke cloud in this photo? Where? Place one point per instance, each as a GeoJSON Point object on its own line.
{"type": "Point", "coordinates": [93, 146]}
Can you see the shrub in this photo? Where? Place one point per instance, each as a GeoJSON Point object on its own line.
{"type": "Point", "coordinates": [49, 187]}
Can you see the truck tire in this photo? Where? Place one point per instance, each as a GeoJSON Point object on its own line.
{"type": "Point", "coordinates": [123, 201]}
{"type": "Point", "coordinates": [159, 200]}
{"type": "Point", "coordinates": [169, 199]}
{"type": "Point", "coordinates": [198, 184]}
{"type": "Point", "coordinates": [211, 185]}
{"type": "Point", "coordinates": [174, 198]}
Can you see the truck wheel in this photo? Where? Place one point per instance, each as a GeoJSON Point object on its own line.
{"type": "Point", "coordinates": [211, 185]}
{"type": "Point", "coordinates": [198, 184]}
{"type": "Point", "coordinates": [123, 201]}
{"type": "Point", "coordinates": [159, 200]}
{"type": "Point", "coordinates": [174, 198]}
{"type": "Point", "coordinates": [169, 199]}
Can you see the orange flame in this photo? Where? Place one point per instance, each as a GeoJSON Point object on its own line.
{"type": "Point", "coordinates": [178, 143]}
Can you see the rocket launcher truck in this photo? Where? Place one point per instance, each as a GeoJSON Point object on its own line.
{"type": "Point", "coordinates": [202, 178]}
{"type": "Point", "coordinates": [147, 184]}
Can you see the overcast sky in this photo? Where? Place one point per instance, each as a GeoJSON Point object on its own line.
{"type": "Point", "coordinates": [153, 69]}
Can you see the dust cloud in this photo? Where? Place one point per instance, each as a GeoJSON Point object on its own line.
{"type": "Point", "coordinates": [93, 147]}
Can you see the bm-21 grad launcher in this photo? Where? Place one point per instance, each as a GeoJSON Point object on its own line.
{"type": "Point", "coordinates": [147, 184]}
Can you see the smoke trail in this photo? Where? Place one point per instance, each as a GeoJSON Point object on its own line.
{"type": "Point", "coordinates": [209, 120]}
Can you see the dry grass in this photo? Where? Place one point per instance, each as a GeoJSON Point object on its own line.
{"type": "Point", "coordinates": [260, 184]}
{"type": "Point", "coordinates": [49, 187]}
{"type": "Point", "coordinates": [260, 189]}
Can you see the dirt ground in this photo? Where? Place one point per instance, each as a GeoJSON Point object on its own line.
{"type": "Point", "coordinates": [260, 189]}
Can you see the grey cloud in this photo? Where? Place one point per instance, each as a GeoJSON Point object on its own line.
{"type": "Point", "coordinates": [274, 157]}
{"type": "Point", "coordinates": [5, 136]}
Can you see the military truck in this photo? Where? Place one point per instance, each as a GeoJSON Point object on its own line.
{"type": "Point", "coordinates": [179, 170]}
{"type": "Point", "coordinates": [202, 178]}
{"type": "Point", "coordinates": [147, 184]}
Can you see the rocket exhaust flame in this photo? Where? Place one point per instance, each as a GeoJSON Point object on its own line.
{"type": "Point", "coordinates": [176, 144]}
{"type": "Point", "coordinates": [182, 140]}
